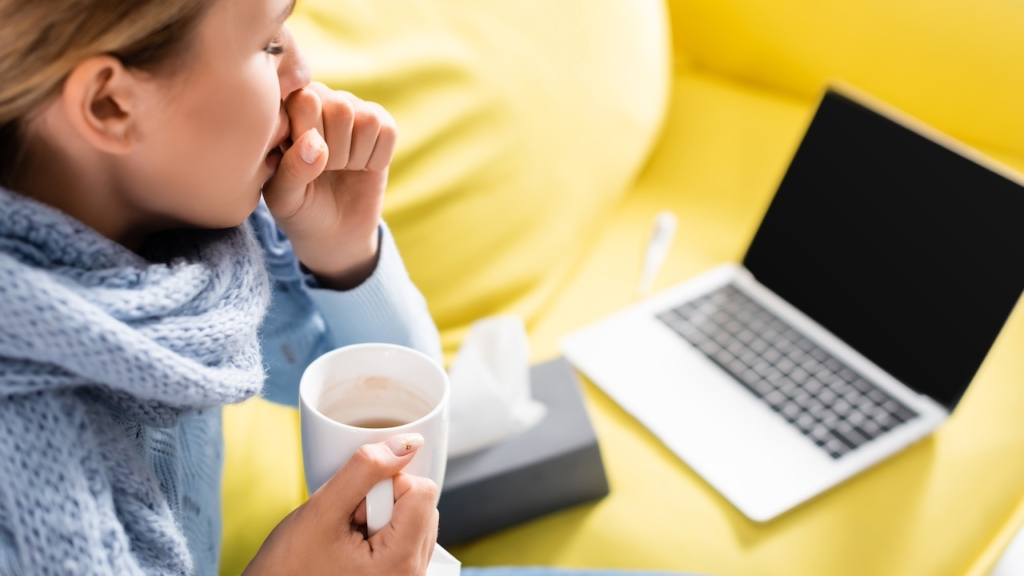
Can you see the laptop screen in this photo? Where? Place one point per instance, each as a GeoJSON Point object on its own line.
{"type": "Point", "coordinates": [910, 252]}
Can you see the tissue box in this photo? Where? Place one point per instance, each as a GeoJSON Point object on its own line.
{"type": "Point", "coordinates": [553, 465]}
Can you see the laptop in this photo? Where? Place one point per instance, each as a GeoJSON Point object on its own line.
{"type": "Point", "coordinates": [885, 267]}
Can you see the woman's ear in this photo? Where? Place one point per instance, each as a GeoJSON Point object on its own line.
{"type": "Point", "coordinates": [99, 101]}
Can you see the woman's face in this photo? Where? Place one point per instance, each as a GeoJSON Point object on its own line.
{"type": "Point", "coordinates": [208, 136]}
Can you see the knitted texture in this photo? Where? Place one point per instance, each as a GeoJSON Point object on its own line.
{"type": "Point", "coordinates": [94, 338]}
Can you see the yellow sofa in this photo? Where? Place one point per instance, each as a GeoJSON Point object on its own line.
{"type": "Point", "coordinates": [538, 140]}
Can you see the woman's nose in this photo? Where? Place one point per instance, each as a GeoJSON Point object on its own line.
{"type": "Point", "coordinates": [294, 73]}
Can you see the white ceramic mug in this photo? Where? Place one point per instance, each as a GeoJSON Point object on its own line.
{"type": "Point", "coordinates": [373, 382]}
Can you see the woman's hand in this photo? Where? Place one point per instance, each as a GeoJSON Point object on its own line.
{"type": "Point", "coordinates": [326, 534]}
{"type": "Point", "coordinates": [328, 191]}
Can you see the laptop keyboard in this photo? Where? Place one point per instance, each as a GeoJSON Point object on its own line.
{"type": "Point", "coordinates": [825, 399]}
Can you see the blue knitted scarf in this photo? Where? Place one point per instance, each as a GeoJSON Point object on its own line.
{"type": "Point", "coordinates": [92, 335]}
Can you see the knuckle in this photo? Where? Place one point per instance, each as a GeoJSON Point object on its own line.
{"type": "Point", "coordinates": [388, 127]}
{"type": "Point", "coordinates": [344, 108]}
{"type": "Point", "coordinates": [377, 109]}
{"type": "Point", "coordinates": [426, 488]}
{"type": "Point", "coordinates": [309, 93]}
{"type": "Point", "coordinates": [303, 103]}
{"type": "Point", "coordinates": [369, 458]}
{"type": "Point", "coordinates": [292, 173]}
{"type": "Point", "coordinates": [367, 115]}
{"type": "Point", "coordinates": [307, 97]}
{"type": "Point", "coordinates": [381, 115]}
{"type": "Point", "coordinates": [411, 565]}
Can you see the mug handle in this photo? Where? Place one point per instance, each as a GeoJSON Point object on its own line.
{"type": "Point", "coordinates": [380, 505]}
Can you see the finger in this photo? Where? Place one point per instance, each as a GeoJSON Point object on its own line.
{"type": "Point", "coordinates": [427, 551]}
{"type": "Point", "coordinates": [338, 113]}
{"type": "Point", "coordinates": [359, 516]}
{"type": "Point", "coordinates": [387, 138]}
{"type": "Point", "coordinates": [413, 528]}
{"type": "Point", "coordinates": [304, 111]}
{"type": "Point", "coordinates": [365, 129]}
{"type": "Point", "coordinates": [343, 492]}
{"type": "Point", "coordinates": [300, 165]}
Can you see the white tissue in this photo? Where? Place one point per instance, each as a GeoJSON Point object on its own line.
{"type": "Point", "coordinates": [442, 563]}
{"type": "Point", "coordinates": [491, 386]}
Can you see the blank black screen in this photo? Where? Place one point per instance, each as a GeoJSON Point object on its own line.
{"type": "Point", "coordinates": [908, 251]}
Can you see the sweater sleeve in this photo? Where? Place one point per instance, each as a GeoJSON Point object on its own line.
{"type": "Point", "coordinates": [387, 307]}
{"type": "Point", "coordinates": [305, 321]}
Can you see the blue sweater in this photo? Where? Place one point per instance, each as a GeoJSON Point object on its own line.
{"type": "Point", "coordinates": [302, 323]}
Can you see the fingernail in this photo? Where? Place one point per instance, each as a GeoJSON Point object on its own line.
{"type": "Point", "coordinates": [313, 147]}
{"type": "Point", "coordinates": [405, 443]}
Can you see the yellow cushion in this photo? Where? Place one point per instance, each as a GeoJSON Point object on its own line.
{"type": "Point", "coordinates": [955, 64]}
{"type": "Point", "coordinates": [263, 478]}
{"type": "Point", "coordinates": [741, 101]}
{"type": "Point", "coordinates": [932, 509]}
{"type": "Point", "coordinates": [522, 124]}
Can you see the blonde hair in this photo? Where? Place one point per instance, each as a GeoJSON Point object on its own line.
{"type": "Point", "coordinates": [45, 39]}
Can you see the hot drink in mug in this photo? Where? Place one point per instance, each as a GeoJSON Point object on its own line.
{"type": "Point", "coordinates": [367, 393]}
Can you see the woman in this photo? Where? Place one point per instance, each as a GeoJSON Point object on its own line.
{"type": "Point", "coordinates": [157, 159]}
{"type": "Point", "coordinates": [137, 138]}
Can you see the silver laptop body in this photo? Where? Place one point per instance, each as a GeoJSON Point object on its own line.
{"type": "Point", "coordinates": [864, 306]}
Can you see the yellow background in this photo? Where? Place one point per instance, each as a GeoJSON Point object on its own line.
{"type": "Point", "coordinates": [538, 140]}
